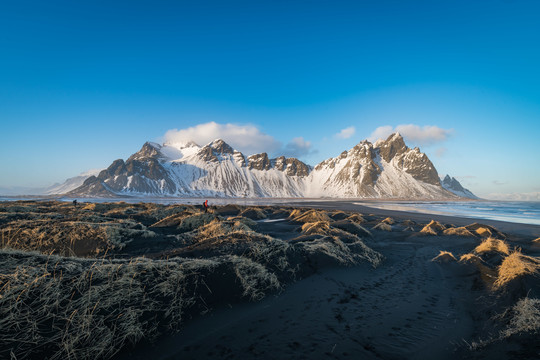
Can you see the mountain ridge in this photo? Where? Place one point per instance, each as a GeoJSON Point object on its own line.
{"type": "Point", "coordinates": [386, 169]}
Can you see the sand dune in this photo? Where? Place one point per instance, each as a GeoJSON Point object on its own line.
{"type": "Point", "coordinates": [271, 282]}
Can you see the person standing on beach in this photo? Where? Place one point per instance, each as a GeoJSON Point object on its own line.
{"type": "Point", "coordinates": [205, 204]}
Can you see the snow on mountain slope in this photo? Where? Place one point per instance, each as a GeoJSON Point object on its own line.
{"type": "Point", "coordinates": [214, 170]}
{"type": "Point", "coordinates": [388, 169]}
{"type": "Point", "coordinates": [452, 185]}
{"type": "Point", "coordinates": [71, 183]}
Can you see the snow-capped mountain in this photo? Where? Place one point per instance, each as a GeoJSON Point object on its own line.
{"type": "Point", "coordinates": [386, 169]}
{"type": "Point", "coordinates": [71, 183]}
{"type": "Point", "coordinates": [215, 170]}
{"type": "Point", "coordinates": [452, 185]}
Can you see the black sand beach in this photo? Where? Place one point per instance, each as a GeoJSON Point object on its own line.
{"type": "Point", "coordinates": [410, 307]}
{"type": "Point", "coordinates": [367, 283]}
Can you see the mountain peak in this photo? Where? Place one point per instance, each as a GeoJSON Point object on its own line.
{"type": "Point", "coordinates": [454, 186]}
{"type": "Point", "coordinates": [148, 150]}
{"type": "Point", "coordinates": [221, 147]}
{"type": "Point", "coordinates": [392, 146]}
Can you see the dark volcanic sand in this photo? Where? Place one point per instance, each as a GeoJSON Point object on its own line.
{"type": "Point", "coordinates": [408, 308]}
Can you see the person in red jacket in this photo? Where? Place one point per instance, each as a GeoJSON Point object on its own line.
{"type": "Point", "coordinates": [205, 204]}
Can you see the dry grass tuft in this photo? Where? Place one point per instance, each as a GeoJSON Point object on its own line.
{"type": "Point", "coordinates": [444, 257]}
{"type": "Point", "coordinates": [89, 207]}
{"type": "Point", "coordinates": [470, 258]}
{"type": "Point", "coordinates": [485, 230]}
{"type": "Point", "coordinates": [516, 265]}
{"type": "Point", "coordinates": [536, 242]}
{"type": "Point", "coordinates": [408, 223]}
{"type": "Point", "coordinates": [195, 221]}
{"type": "Point", "coordinates": [319, 227]}
{"type": "Point", "coordinates": [457, 231]}
{"type": "Point", "coordinates": [330, 250]}
{"type": "Point", "coordinates": [382, 226]}
{"type": "Point", "coordinates": [433, 228]}
{"type": "Point", "coordinates": [254, 213]}
{"type": "Point", "coordinates": [221, 228]}
{"type": "Point", "coordinates": [357, 218]}
{"type": "Point", "coordinates": [525, 317]}
{"type": "Point", "coordinates": [492, 245]}
{"type": "Point", "coordinates": [338, 215]}
{"type": "Point", "coordinates": [351, 227]}
{"type": "Point", "coordinates": [389, 221]}
{"type": "Point", "coordinates": [309, 216]}
{"type": "Point", "coordinates": [59, 308]}
{"type": "Point", "coordinates": [71, 238]}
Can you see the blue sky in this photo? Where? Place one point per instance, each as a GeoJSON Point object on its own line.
{"type": "Point", "coordinates": [84, 83]}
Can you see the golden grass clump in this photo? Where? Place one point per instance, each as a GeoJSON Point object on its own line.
{"type": "Point", "coordinates": [246, 221]}
{"type": "Point", "coordinates": [388, 221]}
{"type": "Point", "coordinates": [485, 230]}
{"type": "Point", "coordinates": [382, 226]}
{"type": "Point", "coordinates": [433, 228]}
{"type": "Point", "coordinates": [536, 242]}
{"type": "Point", "coordinates": [357, 218]}
{"type": "Point", "coordinates": [254, 213]}
{"type": "Point", "coordinates": [89, 207]}
{"type": "Point", "coordinates": [220, 228]}
{"type": "Point", "coordinates": [516, 265]}
{"type": "Point", "coordinates": [444, 257]}
{"type": "Point", "coordinates": [457, 231]}
{"type": "Point", "coordinates": [195, 221]}
{"type": "Point", "coordinates": [470, 257]}
{"type": "Point", "coordinates": [318, 227]}
{"type": "Point", "coordinates": [492, 245]}
{"type": "Point", "coordinates": [309, 216]}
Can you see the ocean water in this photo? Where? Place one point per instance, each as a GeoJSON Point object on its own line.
{"type": "Point", "coordinates": [523, 212]}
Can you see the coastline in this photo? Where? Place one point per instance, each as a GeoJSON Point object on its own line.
{"type": "Point", "coordinates": [504, 226]}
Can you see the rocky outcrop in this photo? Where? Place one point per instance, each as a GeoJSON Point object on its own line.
{"type": "Point", "coordinates": [259, 162]}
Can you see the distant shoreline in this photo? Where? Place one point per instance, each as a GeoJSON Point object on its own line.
{"type": "Point", "coordinates": [349, 204]}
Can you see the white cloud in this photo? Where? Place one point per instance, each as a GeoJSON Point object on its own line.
{"type": "Point", "coordinates": [298, 147]}
{"type": "Point", "coordinates": [425, 135]}
{"type": "Point", "coordinates": [346, 133]}
{"type": "Point", "coordinates": [245, 138]}
{"type": "Point", "coordinates": [382, 132]}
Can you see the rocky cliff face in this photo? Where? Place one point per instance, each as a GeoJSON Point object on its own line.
{"type": "Point", "coordinates": [386, 169]}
